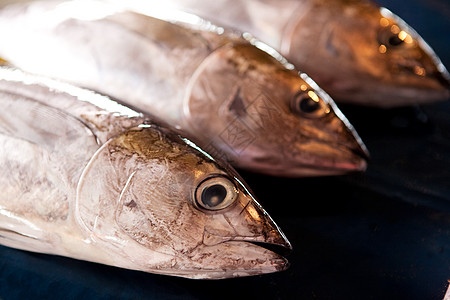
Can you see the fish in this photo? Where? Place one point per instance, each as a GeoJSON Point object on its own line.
{"type": "Point", "coordinates": [86, 177]}
{"type": "Point", "coordinates": [357, 51]}
{"type": "Point", "coordinates": [238, 98]}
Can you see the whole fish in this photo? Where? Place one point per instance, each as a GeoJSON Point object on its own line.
{"type": "Point", "coordinates": [86, 177]}
{"type": "Point", "coordinates": [359, 52]}
{"type": "Point", "coordinates": [219, 86]}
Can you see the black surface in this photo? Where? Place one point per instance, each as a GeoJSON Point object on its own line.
{"type": "Point", "coordinates": [384, 234]}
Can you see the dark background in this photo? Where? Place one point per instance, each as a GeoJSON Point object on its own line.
{"type": "Point", "coordinates": [384, 234]}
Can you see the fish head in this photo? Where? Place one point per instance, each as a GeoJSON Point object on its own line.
{"type": "Point", "coordinates": [266, 117]}
{"type": "Point", "coordinates": [364, 54]}
{"type": "Point", "coordinates": [161, 205]}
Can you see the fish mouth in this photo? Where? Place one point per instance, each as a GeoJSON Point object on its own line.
{"type": "Point", "coordinates": [281, 249]}
{"type": "Point", "coordinates": [222, 257]}
{"type": "Point", "coordinates": [433, 87]}
{"type": "Point", "coordinates": [353, 159]}
{"type": "Point", "coordinates": [232, 259]}
{"type": "Point", "coordinates": [274, 252]}
{"type": "Point", "coordinates": [229, 259]}
{"type": "Point", "coordinates": [236, 258]}
{"type": "Point", "coordinates": [347, 160]}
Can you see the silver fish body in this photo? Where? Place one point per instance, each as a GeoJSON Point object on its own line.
{"type": "Point", "coordinates": [358, 52]}
{"type": "Point", "coordinates": [86, 177]}
{"type": "Point", "coordinates": [217, 85]}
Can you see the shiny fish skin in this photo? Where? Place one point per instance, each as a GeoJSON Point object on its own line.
{"type": "Point", "coordinates": [234, 98]}
{"type": "Point", "coordinates": [86, 177]}
{"type": "Point", "coordinates": [358, 52]}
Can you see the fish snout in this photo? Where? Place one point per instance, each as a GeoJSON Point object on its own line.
{"type": "Point", "coordinates": [355, 145]}
{"type": "Point", "coordinates": [336, 151]}
{"type": "Point", "coordinates": [432, 74]}
{"type": "Point", "coordinates": [244, 241]}
{"type": "Point", "coordinates": [270, 240]}
{"type": "Point", "coordinates": [353, 150]}
{"type": "Point", "coordinates": [252, 232]}
{"type": "Point", "coordinates": [443, 77]}
{"type": "Point", "coordinates": [269, 232]}
{"type": "Point", "coordinates": [250, 224]}
{"type": "Point", "coordinates": [339, 158]}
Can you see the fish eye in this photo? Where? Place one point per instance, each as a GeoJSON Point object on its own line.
{"type": "Point", "coordinates": [215, 193]}
{"type": "Point", "coordinates": [393, 37]}
{"type": "Point", "coordinates": [394, 40]}
{"type": "Point", "coordinates": [309, 104]}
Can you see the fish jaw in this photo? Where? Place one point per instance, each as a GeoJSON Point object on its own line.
{"type": "Point", "coordinates": [252, 115]}
{"type": "Point", "coordinates": [315, 158]}
{"type": "Point", "coordinates": [233, 259]}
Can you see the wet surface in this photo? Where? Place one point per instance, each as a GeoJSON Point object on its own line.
{"type": "Point", "coordinates": [378, 235]}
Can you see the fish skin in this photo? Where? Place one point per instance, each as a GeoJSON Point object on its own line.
{"type": "Point", "coordinates": [338, 44]}
{"type": "Point", "coordinates": [86, 177]}
{"type": "Point", "coordinates": [252, 118]}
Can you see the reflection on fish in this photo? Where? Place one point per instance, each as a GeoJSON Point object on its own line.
{"type": "Point", "coordinates": [355, 50]}
{"type": "Point", "coordinates": [86, 177]}
{"type": "Point", "coordinates": [222, 87]}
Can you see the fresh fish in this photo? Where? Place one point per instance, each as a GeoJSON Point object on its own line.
{"type": "Point", "coordinates": [358, 52]}
{"type": "Point", "coordinates": [220, 87]}
{"type": "Point", "coordinates": [86, 177]}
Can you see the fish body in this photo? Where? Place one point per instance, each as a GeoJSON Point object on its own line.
{"type": "Point", "coordinates": [86, 177]}
{"type": "Point", "coordinates": [359, 52]}
{"type": "Point", "coordinates": [221, 87]}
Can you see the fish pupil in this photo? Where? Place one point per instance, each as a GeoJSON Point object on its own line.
{"type": "Point", "coordinates": [214, 195]}
{"type": "Point", "coordinates": [308, 105]}
{"type": "Point", "coordinates": [395, 40]}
